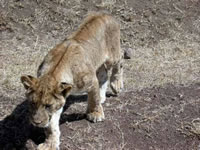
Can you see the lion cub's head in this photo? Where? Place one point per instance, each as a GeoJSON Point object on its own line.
{"type": "Point", "coordinates": [46, 96]}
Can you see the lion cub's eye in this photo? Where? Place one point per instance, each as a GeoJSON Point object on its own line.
{"type": "Point", "coordinates": [32, 103]}
{"type": "Point", "coordinates": [56, 96]}
{"type": "Point", "coordinates": [47, 106]}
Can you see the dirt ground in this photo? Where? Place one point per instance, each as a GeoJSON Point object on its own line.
{"type": "Point", "coordinates": [159, 106]}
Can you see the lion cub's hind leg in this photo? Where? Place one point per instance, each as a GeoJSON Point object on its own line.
{"type": "Point", "coordinates": [95, 110]}
{"type": "Point", "coordinates": [102, 75]}
{"type": "Point", "coordinates": [116, 79]}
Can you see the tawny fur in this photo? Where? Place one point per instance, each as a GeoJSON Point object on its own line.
{"type": "Point", "coordinates": [78, 64]}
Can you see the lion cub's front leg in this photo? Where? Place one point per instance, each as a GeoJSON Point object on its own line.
{"type": "Point", "coordinates": [116, 79]}
{"type": "Point", "coordinates": [53, 134]}
{"type": "Point", "coordinates": [95, 110]}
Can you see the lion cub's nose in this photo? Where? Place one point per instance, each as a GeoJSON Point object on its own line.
{"type": "Point", "coordinates": [37, 121]}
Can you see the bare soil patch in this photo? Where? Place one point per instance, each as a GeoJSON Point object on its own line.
{"type": "Point", "coordinates": [157, 118]}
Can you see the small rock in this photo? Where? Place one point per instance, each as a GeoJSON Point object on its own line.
{"type": "Point", "coordinates": [147, 14]}
{"type": "Point", "coordinates": [180, 95]}
{"type": "Point", "coordinates": [19, 37]}
{"type": "Point", "coordinates": [127, 53]}
{"type": "Point", "coordinates": [128, 18]}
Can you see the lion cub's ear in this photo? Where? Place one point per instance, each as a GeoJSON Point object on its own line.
{"type": "Point", "coordinates": [64, 88]}
{"type": "Point", "coordinates": [28, 81]}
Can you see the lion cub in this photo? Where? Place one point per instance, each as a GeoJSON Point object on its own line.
{"type": "Point", "coordinates": [78, 64]}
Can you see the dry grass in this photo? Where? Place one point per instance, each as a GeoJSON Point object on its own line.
{"type": "Point", "coordinates": [163, 51]}
{"type": "Point", "coordinates": [173, 58]}
{"type": "Point", "coordinates": [176, 62]}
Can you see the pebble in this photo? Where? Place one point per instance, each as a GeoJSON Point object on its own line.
{"type": "Point", "coordinates": [127, 53]}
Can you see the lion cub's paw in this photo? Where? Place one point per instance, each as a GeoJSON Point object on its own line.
{"type": "Point", "coordinates": [116, 86]}
{"type": "Point", "coordinates": [95, 116]}
{"type": "Point", "coordinates": [47, 146]}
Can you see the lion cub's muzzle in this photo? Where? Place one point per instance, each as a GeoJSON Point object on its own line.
{"type": "Point", "coordinates": [40, 118]}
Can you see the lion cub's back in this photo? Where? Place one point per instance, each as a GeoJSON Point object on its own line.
{"type": "Point", "coordinates": [94, 26]}
{"type": "Point", "coordinates": [99, 34]}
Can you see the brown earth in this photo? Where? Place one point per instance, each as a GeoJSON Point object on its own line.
{"type": "Point", "coordinates": [159, 107]}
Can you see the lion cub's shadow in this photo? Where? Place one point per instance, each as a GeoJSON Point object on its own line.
{"type": "Point", "coordinates": [77, 99]}
{"type": "Point", "coordinates": [74, 116]}
{"type": "Point", "coordinates": [16, 130]}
